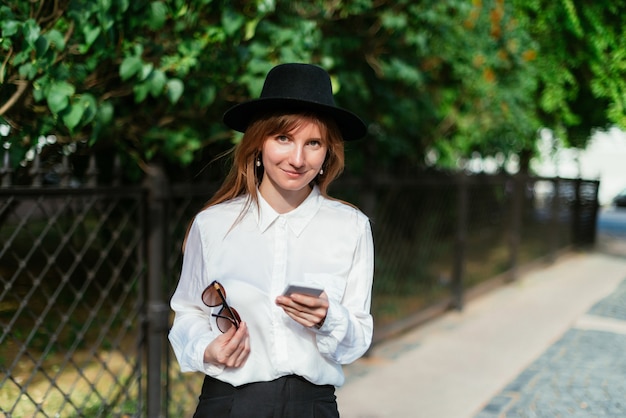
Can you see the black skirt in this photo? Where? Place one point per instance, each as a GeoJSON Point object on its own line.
{"type": "Point", "coordinates": [286, 397]}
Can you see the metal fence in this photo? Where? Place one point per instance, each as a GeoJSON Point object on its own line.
{"type": "Point", "coordinates": [72, 302]}
{"type": "Point", "coordinates": [87, 273]}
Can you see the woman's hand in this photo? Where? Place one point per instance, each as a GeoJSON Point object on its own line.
{"type": "Point", "coordinates": [309, 311]}
{"type": "Point", "coordinates": [231, 349]}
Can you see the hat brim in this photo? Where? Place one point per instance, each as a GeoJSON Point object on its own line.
{"type": "Point", "coordinates": [241, 115]}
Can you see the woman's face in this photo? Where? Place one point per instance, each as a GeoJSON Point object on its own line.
{"type": "Point", "coordinates": [291, 160]}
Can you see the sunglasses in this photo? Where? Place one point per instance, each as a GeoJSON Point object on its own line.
{"type": "Point", "coordinates": [215, 295]}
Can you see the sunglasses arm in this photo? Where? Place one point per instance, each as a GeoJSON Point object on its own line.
{"type": "Point", "coordinates": [232, 318]}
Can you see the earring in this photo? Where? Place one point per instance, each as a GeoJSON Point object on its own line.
{"type": "Point", "coordinates": [258, 161]}
{"type": "Point", "coordinates": [321, 171]}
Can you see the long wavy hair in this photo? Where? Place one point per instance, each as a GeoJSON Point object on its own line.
{"type": "Point", "coordinates": [244, 176]}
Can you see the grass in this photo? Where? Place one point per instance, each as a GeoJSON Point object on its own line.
{"type": "Point", "coordinates": [487, 255]}
{"type": "Point", "coordinates": [88, 387]}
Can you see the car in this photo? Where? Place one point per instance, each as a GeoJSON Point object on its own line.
{"type": "Point", "coordinates": [620, 200]}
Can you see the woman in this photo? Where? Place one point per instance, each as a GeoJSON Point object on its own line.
{"type": "Point", "coordinates": [267, 351]}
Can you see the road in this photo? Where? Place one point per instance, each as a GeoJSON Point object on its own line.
{"type": "Point", "coordinates": [611, 230]}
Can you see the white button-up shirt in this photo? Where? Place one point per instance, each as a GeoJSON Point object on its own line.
{"type": "Point", "coordinates": [323, 243]}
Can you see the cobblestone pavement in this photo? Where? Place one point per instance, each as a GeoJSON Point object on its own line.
{"type": "Point", "coordinates": [582, 375]}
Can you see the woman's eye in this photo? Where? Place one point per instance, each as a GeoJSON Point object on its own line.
{"type": "Point", "coordinates": [315, 143]}
{"type": "Point", "coordinates": [282, 138]}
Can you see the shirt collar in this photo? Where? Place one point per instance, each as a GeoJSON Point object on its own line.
{"type": "Point", "coordinates": [297, 219]}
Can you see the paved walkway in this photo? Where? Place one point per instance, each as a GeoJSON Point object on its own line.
{"type": "Point", "coordinates": [551, 344]}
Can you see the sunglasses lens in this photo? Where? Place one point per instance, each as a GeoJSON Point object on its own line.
{"type": "Point", "coordinates": [211, 297]}
{"type": "Point", "coordinates": [215, 295]}
{"type": "Point", "coordinates": [226, 321]}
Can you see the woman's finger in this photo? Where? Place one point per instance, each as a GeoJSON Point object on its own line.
{"type": "Point", "coordinates": [227, 348]}
{"type": "Point", "coordinates": [242, 353]}
{"type": "Point", "coordinates": [305, 311]}
{"type": "Point", "coordinates": [305, 300]}
{"type": "Point", "coordinates": [239, 344]}
{"type": "Point", "coordinates": [304, 318]}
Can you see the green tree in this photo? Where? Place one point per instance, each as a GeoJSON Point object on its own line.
{"type": "Point", "coordinates": [581, 64]}
{"type": "Point", "coordinates": [449, 78]}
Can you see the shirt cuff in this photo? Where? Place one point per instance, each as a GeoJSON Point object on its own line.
{"type": "Point", "coordinates": [333, 330]}
{"type": "Point", "coordinates": [213, 370]}
{"type": "Point", "coordinates": [207, 368]}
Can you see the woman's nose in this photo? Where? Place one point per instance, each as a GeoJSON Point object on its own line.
{"type": "Point", "coordinates": [296, 157]}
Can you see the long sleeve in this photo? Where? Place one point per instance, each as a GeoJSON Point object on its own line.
{"type": "Point", "coordinates": [191, 331]}
{"type": "Point", "coordinates": [347, 331]}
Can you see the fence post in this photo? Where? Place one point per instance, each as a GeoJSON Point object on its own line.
{"type": "Point", "coordinates": [555, 210]}
{"type": "Point", "coordinates": [519, 184]}
{"type": "Point", "coordinates": [576, 224]}
{"type": "Point", "coordinates": [594, 213]}
{"type": "Point", "coordinates": [157, 308]}
{"type": "Point", "coordinates": [461, 241]}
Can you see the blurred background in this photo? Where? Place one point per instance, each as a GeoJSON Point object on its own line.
{"type": "Point", "coordinates": [603, 158]}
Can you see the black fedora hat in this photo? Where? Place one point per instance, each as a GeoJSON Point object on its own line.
{"type": "Point", "coordinates": [296, 87]}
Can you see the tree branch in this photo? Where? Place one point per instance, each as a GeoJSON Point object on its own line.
{"type": "Point", "coordinates": [4, 64]}
{"type": "Point", "coordinates": [70, 31]}
{"type": "Point", "coordinates": [116, 93]}
{"type": "Point", "coordinates": [21, 88]}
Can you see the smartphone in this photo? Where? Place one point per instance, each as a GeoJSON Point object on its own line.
{"type": "Point", "coordinates": [302, 289]}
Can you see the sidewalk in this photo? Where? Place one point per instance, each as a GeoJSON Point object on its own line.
{"type": "Point", "coordinates": [550, 344]}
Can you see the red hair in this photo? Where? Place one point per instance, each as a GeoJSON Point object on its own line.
{"type": "Point", "coordinates": [244, 176]}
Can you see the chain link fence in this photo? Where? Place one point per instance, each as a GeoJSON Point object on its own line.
{"type": "Point", "coordinates": [87, 274]}
{"type": "Point", "coordinates": [72, 268]}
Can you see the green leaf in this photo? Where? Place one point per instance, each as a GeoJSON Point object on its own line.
{"type": "Point", "coordinates": [266, 6]}
{"type": "Point", "coordinates": [28, 71]}
{"type": "Point", "coordinates": [122, 5]}
{"type": "Point", "coordinates": [394, 21]}
{"type": "Point", "coordinates": [31, 32]}
{"type": "Point", "coordinates": [104, 5]}
{"type": "Point", "coordinates": [38, 93]}
{"type": "Point", "coordinates": [207, 95]}
{"type": "Point", "coordinates": [141, 91]}
{"type": "Point", "coordinates": [104, 116]}
{"type": "Point", "coordinates": [90, 107]}
{"type": "Point", "coordinates": [157, 82]}
{"type": "Point", "coordinates": [58, 96]}
{"type": "Point", "coordinates": [56, 39]}
{"type": "Point", "coordinates": [146, 70]}
{"type": "Point", "coordinates": [232, 21]}
{"type": "Point", "coordinates": [157, 16]}
{"type": "Point", "coordinates": [175, 88]}
{"type": "Point", "coordinates": [105, 113]}
{"type": "Point", "coordinates": [17, 154]}
{"type": "Point", "coordinates": [251, 29]}
{"type": "Point", "coordinates": [41, 46]}
{"type": "Point", "coordinates": [22, 56]}
{"type": "Point", "coordinates": [130, 66]}
{"type": "Point", "coordinates": [72, 115]}
{"type": "Point", "coordinates": [91, 34]}
{"type": "Point", "coordinates": [10, 27]}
